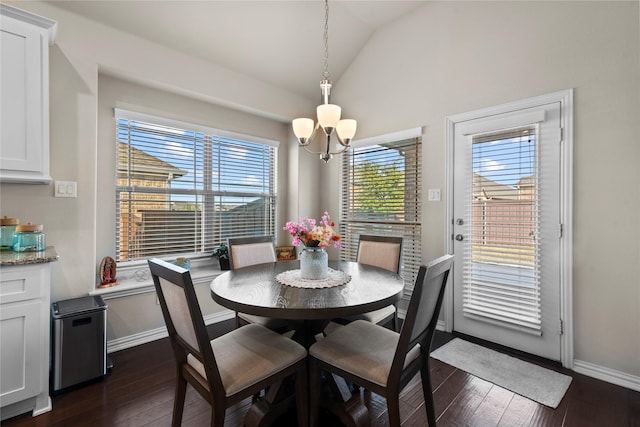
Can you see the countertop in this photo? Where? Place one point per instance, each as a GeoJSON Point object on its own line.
{"type": "Point", "coordinates": [10, 258]}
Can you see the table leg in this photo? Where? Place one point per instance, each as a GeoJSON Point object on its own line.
{"type": "Point", "coordinates": [266, 410]}
{"type": "Point", "coordinates": [339, 400]}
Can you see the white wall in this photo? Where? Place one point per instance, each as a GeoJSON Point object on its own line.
{"type": "Point", "coordinates": [444, 59]}
{"type": "Point", "coordinates": [453, 57]}
{"type": "Point", "coordinates": [83, 92]}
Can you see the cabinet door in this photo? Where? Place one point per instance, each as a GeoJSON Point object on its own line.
{"type": "Point", "coordinates": [24, 74]}
{"type": "Point", "coordinates": [20, 367]}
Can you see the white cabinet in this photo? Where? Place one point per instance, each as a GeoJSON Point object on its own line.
{"type": "Point", "coordinates": [25, 301]}
{"type": "Point", "coordinates": [24, 94]}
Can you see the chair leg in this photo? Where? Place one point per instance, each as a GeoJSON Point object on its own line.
{"type": "Point", "coordinates": [314, 391]}
{"type": "Point", "coordinates": [217, 414]}
{"type": "Point", "coordinates": [394, 322]}
{"type": "Point", "coordinates": [428, 393]}
{"type": "Point", "coordinates": [178, 403]}
{"type": "Point", "coordinates": [302, 396]}
{"type": "Point", "coordinates": [393, 409]}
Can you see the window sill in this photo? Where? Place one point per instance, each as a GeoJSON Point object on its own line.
{"type": "Point", "coordinates": [137, 280]}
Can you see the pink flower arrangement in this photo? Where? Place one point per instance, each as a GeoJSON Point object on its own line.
{"type": "Point", "coordinates": [310, 233]}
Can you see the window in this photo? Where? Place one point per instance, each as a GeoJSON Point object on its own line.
{"type": "Point", "coordinates": [183, 189]}
{"type": "Point", "coordinates": [381, 195]}
{"type": "Point", "coordinates": [501, 260]}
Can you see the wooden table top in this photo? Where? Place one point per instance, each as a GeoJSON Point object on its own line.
{"type": "Point", "coordinates": [254, 290]}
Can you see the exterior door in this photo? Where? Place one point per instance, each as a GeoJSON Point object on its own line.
{"type": "Point", "coordinates": [507, 229]}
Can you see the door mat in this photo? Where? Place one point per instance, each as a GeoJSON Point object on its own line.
{"type": "Point", "coordinates": [526, 379]}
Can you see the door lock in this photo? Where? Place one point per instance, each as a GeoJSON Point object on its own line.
{"type": "Point", "coordinates": [459, 237]}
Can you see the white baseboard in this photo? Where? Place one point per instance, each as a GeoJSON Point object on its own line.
{"type": "Point", "coordinates": [606, 374]}
{"type": "Point", "coordinates": [158, 333]}
{"type": "Point", "coordinates": [585, 368]}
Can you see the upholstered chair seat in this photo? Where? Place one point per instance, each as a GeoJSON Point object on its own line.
{"type": "Point", "coordinates": [249, 356]}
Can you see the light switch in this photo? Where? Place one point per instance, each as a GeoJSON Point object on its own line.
{"type": "Point", "coordinates": [66, 189]}
{"type": "Point", "coordinates": [434, 194]}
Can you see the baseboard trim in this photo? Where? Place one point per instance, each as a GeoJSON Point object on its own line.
{"type": "Point", "coordinates": [159, 333]}
{"type": "Point", "coordinates": [581, 367]}
{"type": "Point", "coordinates": [606, 374]}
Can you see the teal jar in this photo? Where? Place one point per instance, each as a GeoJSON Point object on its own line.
{"type": "Point", "coordinates": [7, 230]}
{"type": "Point", "coordinates": [28, 238]}
{"type": "Point", "coordinates": [183, 262]}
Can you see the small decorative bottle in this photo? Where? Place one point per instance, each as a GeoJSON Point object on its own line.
{"type": "Point", "coordinates": [7, 229]}
{"type": "Point", "coordinates": [29, 238]}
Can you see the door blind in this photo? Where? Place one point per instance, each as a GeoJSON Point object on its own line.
{"type": "Point", "coordinates": [501, 275]}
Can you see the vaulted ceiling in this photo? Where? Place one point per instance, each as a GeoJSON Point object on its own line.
{"type": "Point", "coordinates": [278, 42]}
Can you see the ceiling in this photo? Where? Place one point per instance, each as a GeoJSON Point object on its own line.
{"type": "Point", "coordinates": [278, 42]}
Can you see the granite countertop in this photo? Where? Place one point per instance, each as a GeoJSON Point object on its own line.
{"type": "Point", "coordinates": [9, 258]}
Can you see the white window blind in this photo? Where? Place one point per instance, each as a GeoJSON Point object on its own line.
{"type": "Point", "coordinates": [183, 189]}
{"type": "Point", "coordinates": [380, 195]}
{"type": "Point", "coordinates": [501, 276]}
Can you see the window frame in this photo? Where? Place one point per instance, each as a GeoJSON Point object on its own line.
{"type": "Point", "coordinates": [411, 247]}
{"type": "Point", "coordinates": [198, 258]}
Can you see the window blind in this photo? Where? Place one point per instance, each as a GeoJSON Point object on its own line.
{"type": "Point", "coordinates": [502, 269]}
{"type": "Point", "coordinates": [380, 195]}
{"type": "Point", "coordinates": [182, 190]}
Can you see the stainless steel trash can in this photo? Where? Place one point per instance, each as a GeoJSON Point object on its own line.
{"type": "Point", "coordinates": [79, 350]}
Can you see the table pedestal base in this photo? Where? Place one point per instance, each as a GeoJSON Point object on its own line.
{"type": "Point", "coordinates": [337, 397]}
{"type": "Point", "coordinates": [345, 405]}
{"type": "Point", "coordinates": [338, 400]}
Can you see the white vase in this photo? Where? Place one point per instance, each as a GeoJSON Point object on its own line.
{"type": "Point", "coordinates": [314, 263]}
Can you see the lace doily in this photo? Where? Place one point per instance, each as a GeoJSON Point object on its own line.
{"type": "Point", "coordinates": [292, 278]}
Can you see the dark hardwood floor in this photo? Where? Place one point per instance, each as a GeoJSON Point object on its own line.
{"type": "Point", "coordinates": [139, 392]}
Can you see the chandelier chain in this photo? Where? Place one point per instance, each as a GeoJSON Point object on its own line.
{"type": "Point", "coordinates": [325, 74]}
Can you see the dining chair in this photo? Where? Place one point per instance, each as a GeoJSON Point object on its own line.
{"type": "Point", "coordinates": [230, 368]}
{"type": "Point", "coordinates": [381, 360]}
{"type": "Point", "coordinates": [384, 252]}
{"type": "Point", "coordinates": [247, 251]}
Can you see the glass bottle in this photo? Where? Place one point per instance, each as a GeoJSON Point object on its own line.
{"type": "Point", "coordinates": [7, 229]}
{"type": "Point", "coordinates": [29, 238]}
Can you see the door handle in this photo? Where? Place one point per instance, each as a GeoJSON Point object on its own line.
{"type": "Point", "coordinates": [459, 237]}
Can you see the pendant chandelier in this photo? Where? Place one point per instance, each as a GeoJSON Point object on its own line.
{"type": "Point", "coordinates": [328, 114]}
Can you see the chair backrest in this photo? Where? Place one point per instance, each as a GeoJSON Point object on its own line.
{"type": "Point", "coordinates": [183, 317]}
{"type": "Point", "coordinates": [380, 251]}
{"type": "Point", "coordinates": [422, 314]}
{"type": "Point", "coordinates": [246, 251]}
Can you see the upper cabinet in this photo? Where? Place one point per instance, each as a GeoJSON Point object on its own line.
{"type": "Point", "coordinates": [24, 93]}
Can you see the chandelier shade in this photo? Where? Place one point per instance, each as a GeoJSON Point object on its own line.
{"type": "Point", "coordinates": [328, 114]}
{"type": "Point", "coordinates": [328, 117]}
{"type": "Point", "coordinates": [303, 129]}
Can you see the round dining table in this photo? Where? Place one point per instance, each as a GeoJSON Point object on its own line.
{"type": "Point", "coordinates": [308, 307]}
{"type": "Point", "coordinates": [256, 290]}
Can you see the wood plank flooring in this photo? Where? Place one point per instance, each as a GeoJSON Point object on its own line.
{"type": "Point", "coordinates": [139, 392]}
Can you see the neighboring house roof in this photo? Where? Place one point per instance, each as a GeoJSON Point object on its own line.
{"type": "Point", "coordinates": [526, 181]}
{"type": "Point", "coordinates": [486, 189]}
{"type": "Point", "coordinates": [146, 164]}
